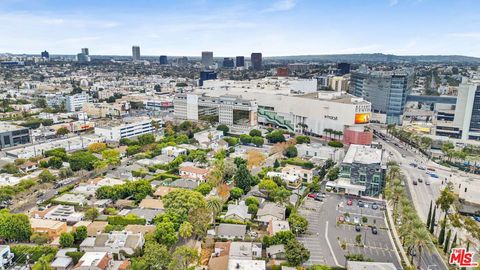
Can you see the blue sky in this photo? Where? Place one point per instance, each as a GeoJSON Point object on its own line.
{"type": "Point", "coordinates": [239, 27]}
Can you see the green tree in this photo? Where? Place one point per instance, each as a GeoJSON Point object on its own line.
{"type": "Point", "coordinates": [429, 217]}
{"type": "Point", "coordinates": [223, 128]}
{"type": "Point", "coordinates": [46, 176]}
{"type": "Point", "coordinates": [182, 258]}
{"type": "Point", "coordinates": [80, 234]}
{"type": "Point", "coordinates": [275, 136]}
{"type": "Point", "coordinates": [82, 160]}
{"type": "Point", "coordinates": [243, 178]}
{"type": "Point", "coordinates": [335, 144]}
{"type": "Point", "coordinates": [185, 230]}
{"type": "Point", "coordinates": [447, 241]}
{"type": "Point", "coordinates": [156, 256]}
{"type": "Point", "coordinates": [432, 222]}
{"type": "Point", "coordinates": [333, 173]}
{"type": "Point", "coordinates": [146, 139]}
{"type": "Point", "coordinates": [62, 131]}
{"type": "Point", "coordinates": [236, 193]}
{"type": "Point", "coordinates": [55, 163]}
{"type": "Point", "coordinates": [204, 188]}
{"type": "Point", "coordinates": [441, 235]}
{"type": "Point", "coordinates": [276, 164]}
{"type": "Point", "coordinates": [66, 239]}
{"type": "Point", "coordinates": [267, 186]}
{"type": "Point", "coordinates": [255, 133]}
{"type": "Point", "coordinates": [245, 139]}
{"type": "Point", "coordinates": [454, 242]}
{"type": "Point", "coordinates": [291, 151]}
{"type": "Point", "coordinates": [165, 233]}
{"type": "Point", "coordinates": [39, 238]}
{"type": "Point", "coordinates": [91, 214]}
{"type": "Point", "coordinates": [298, 224]}
{"type": "Point", "coordinates": [14, 227]}
{"type": "Point", "coordinates": [182, 201]}
{"type": "Point", "coordinates": [445, 200]}
{"type": "Point", "coordinates": [10, 168]}
{"type": "Point", "coordinates": [302, 139]}
{"type": "Point", "coordinates": [257, 141]}
{"type": "Point", "coordinates": [295, 253]}
{"type": "Point", "coordinates": [111, 156]}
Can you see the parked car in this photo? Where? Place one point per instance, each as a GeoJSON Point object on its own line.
{"type": "Point", "coordinates": [374, 206]}
{"type": "Point", "coordinates": [476, 218]}
{"type": "Point", "coordinates": [356, 220]}
{"type": "Point", "coordinates": [311, 195]}
{"type": "Point", "coordinates": [360, 204]}
{"type": "Point", "coordinates": [415, 182]}
{"type": "Point", "coordinates": [374, 230]}
{"type": "Point", "coordinates": [349, 202]}
{"type": "Point", "coordinates": [358, 227]}
{"type": "Point", "coordinates": [422, 168]}
{"type": "Point", "coordinates": [427, 182]}
{"type": "Point", "coordinates": [341, 219]}
{"type": "Point", "coordinates": [318, 198]}
{"type": "Point", "coordinates": [420, 180]}
{"type": "Point", "coordinates": [322, 195]}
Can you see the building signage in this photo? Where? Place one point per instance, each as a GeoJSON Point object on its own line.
{"type": "Point", "coordinates": [331, 117]}
{"type": "Point", "coordinates": [362, 118]}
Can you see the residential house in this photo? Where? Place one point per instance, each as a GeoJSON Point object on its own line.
{"type": "Point", "coordinates": [238, 212]}
{"type": "Point", "coordinates": [143, 229]}
{"type": "Point", "coordinates": [52, 228]}
{"type": "Point", "coordinates": [162, 191]}
{"type": "Point", "coordinates": [6, 256]}
{"type": "Point", "coordinates": [148, 214]}
{"type": "Point", "coordinates": [185, 183]}
{"type": "Point", "coordinates": [231, 231]}
{"type": "Point", "coordinates": [94, 261]}
{"type": "Point", "coordinates": [78, 199]}
{"type": "Point", "coordinates": [275, 226]}
{"type": "Point", "coordinates": [65, 213]}
{"type": "Point", "coordinates": [28, 166]}
{"type": "Point", "coordinates": [246, 265]}
{"type": "Point", "coordinates": [195, 173]}
{"type": "Point", "coordinates": [114, 242]}
{"type": "Point", "coordinates": [305, 174]}
{"type": "Point", "coordinates": [319, 151]}
{"type": "Point", "coordinates": [270, 211]}
{"type": "Point", "coordinates": [96, 227]}
{"type": "Point", "coordinates": [62, 261]}
{"type": "Point", "coordinates": [173, 151]}
{"type": "Point", "coordinates": [151, 204]}
{"type": "Point", "coordinates": [245, 250]}
{"type": "Point", "coordinates": [292, 181]}
{"type": "Point", "coordinates": [276, 252]}
{"type": "Point", "coordinates": [219, 257]}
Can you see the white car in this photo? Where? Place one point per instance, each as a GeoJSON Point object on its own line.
{"type": "Point", "coordinates": [356, 220]}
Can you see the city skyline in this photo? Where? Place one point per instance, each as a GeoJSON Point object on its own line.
{"type": "Point", "coordinates": [229, 28]}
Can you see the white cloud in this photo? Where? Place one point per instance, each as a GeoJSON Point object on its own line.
{"type": "Point", "coordinates": [282, 5]}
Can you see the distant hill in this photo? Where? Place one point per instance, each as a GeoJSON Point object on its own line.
{"type": "Point", "coordinates": [380, 57]}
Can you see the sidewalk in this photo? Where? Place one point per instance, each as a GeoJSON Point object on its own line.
{"type": "Point", "coordinates": [396, 237]}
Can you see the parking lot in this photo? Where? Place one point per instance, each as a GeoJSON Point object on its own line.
{"type": "Point", "coordinates": [329, 240]}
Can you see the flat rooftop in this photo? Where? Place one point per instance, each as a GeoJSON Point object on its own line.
{"type": "Point", "coordinates": [6, 127]}
{"type": "Point", "coordinates": [363, 154]}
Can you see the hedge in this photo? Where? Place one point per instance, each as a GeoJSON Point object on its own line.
{"type": "Point", "coordinates": [298, 162]}
{"type": "Point", "coordinates": [119, 220]}
{"type": "Point", "coordinates": [35, 252]}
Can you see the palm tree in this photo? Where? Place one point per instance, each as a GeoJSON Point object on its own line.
{"type": "Point", "coordinates": [214, 205]}
{"type": "Point", "coordinates": [422, 242]}
{"type": "Point", "coordinates": [393, 172]}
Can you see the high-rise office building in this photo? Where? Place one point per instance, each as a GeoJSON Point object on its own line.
{"type": "Point", "coordinates": [83, 57]}
{"type": "Point", "coordinates": [182, 61]}
{"type": "Point", "coordinates": [207, 59]}
{"type": "Point", "coordinates": [163, 60]}
{"type": "Point", "coordinates": [386, 90]}
{"type": "Point", "coordinates": [207, 75]}
{"type": "Point", "coordinates": [467, 109]}
{"type": "Point", "coordinates": [256, 59]}
{"type": "Point", "coordinates": [136, 53]}
{"type": "Point", "coordinates": [228, 62]}
{"type": "Point", "coordinates": [240, 61]}
{"type": "Point", "coordinates": [343, 68]}
{"type": "Point", "coordinates": [45, 55]}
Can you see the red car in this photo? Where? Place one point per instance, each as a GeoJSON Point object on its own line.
{"type": "Point", "coordinates": [349, 202]}
{"type": "Point", "coordinates": [312, 195]}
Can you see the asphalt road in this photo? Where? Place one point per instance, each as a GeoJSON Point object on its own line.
{"type": "Point", "coordinates": [420, 194]}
